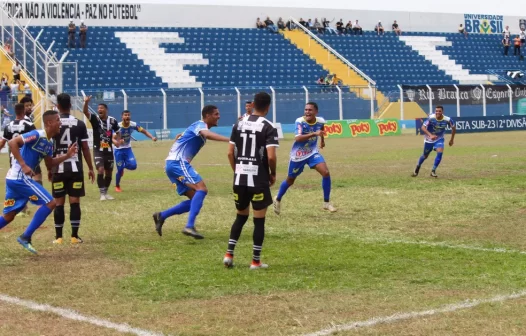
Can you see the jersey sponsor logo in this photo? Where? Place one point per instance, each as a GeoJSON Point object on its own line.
{"type": "Point", "coordinates": [236, 197]}
{"type": "Point", "coordinates": [303, 152]}
{"type": "Point", "coordinates": [387, 127]}
{"type": "Point", "coordinates": [333, 128]}
{"type": "Point", "coordinates": [30, 138]}
{"type": "Point", "coordinates": [77, 185]}
{"type": "Point", "coordinates": [58, 185]}
{"type": "Point", "coordinates": [104, 145]}
{"type": "Point", "coordinates": [258, 197]}
{"type": "Point", "coordinates": [33, 198]}
{"type": "Point", "coordinates": [360, 128]}
{"type": "Point", "coordinates": [9, 202]}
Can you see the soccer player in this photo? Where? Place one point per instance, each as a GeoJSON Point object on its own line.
{"type": "Point", "coordinates": [305, 152]}
{"type": "Point", "coordinates": [434, 129]}
{"type": "Point", "coordinates": [68, 177]}
{"type": "Point", "coordinates": [183, 175]}
{"type": "Point", "coordinates": [124, 157]}
{"type": "Point", "coordinates": [28, 150]}
{"type": "Point", "coordinates": [104, 127]}
{"type": "Point", "coordinates": [252, 156]}
{"type": "Point", "coordinates": [248, 110]}
{"type": "Point", "coordinates": [29, 117]}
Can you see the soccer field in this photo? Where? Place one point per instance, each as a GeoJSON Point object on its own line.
{"type": "Point", "coordinates": [396, 245]}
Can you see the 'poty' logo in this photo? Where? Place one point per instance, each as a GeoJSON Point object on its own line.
{"type": "Point", "coordinates": [360, 128]}
{"type": "Point", "coordinates": [386, 127]}
{"type": "Point", "coordinates": [333, 129]}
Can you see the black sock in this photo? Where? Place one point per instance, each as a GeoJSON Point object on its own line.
{"type": "Point", "coordinates": [258, 237]}
{"type": "Point", "coordinates": [100, 182]}
{"type": "Point", "coordinates": [107, 181]}
{"type": "Point", "coordinates": [74, 218]}
{"type": "Point", "coordinates": [235, 232]}
{"type": "Point", "coordinates": [58, 214]}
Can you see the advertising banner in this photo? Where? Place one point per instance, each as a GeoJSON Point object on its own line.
{"type": "Point", "coordinates": [353, 128]}
{"type": "Point", "coordinates": [482, 124]}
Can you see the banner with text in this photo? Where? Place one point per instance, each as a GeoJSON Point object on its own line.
{"type": "Point", "coordinates": [467, 94]}
{"type": "Point", "coordinates": [482, 124]}
{"type": "Point", "coordinates": [353, 128]}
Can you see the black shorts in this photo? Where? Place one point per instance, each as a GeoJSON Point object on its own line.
{"type": "Point", "coordinates": [103, 159]}
{"type": "Point", "coordinates": [16, 77]}
{"type": "Point", "coordinates": [71, 184]}
{"type": "Point", "coordinates": [260, 198]}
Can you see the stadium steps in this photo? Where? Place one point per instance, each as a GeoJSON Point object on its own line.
{"type": "Point", "coordinates": [331, 63]}
{"type": "Point", "coordinates": [411, 111]}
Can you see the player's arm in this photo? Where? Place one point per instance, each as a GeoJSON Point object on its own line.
{"type": "Point", "coordinates": [426, 132]}
{"type": "Point", "coordinates": [116, 141]}
{"type": "Point", "coordinates": [231, 156]}
{"type": "Point", "coordinates": [272, 143]}
{"type": "Point", "coordinates": [6, 137]}
{"type": "Point", "coordinates": [86, 152]}
{"type": "Point", "coordinates": [305, 137]}
{"type": "Point", "coordinates": [145, 132]}
{"type": "Point", "coordinates": [453, 132]}
{"type": "Point", "coordinates": [85, 109]}
{"type": "Point", "coordinates": [322, 136]}
{"type": "Point", "coordinates": [55, 161]}
{"type": "Point", "coordinates": [14, 145]}
{"type": "Point", "coordinates": [214, 136]}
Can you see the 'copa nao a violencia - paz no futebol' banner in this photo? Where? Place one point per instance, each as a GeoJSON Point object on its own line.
{"type": "Point", "coordinates": [73, 10]}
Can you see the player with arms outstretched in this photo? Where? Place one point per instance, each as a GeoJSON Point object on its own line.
{"type": "Point", "coordinates": [305, 152]}
{"type": "Point", "coordinates": [434, 129]}
{"type": "Point", "coordinates": [183, 175]}
{"type": "Point", "coordinates": [124, 157]}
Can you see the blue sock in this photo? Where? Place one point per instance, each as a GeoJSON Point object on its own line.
{"type": "Point", "coordinates": [118, 176]}
{"type": "Point", "coordinates": [421, 160]}
{"type": "Point", "coordinates": [282, 190]}
{"type": "Point", "coordinates": [195, 206]}
{"type": "Point", "coordinates": [326, 185]}
{"type": "Point", "coordinates": [3, 222]}
{"type": "Point", "coordinates": [437, 160]}
{"type": "Point", "coordinates": [39, 218]}
{"type": "Point", "coordinates": [180, 208]}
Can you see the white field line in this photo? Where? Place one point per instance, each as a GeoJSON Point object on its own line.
{"type": "Point", "coordinates": [412, 315]}
{"type": "Point", "coordinates": [73, 315]}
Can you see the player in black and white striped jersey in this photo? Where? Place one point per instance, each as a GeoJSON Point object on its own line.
{"type": "Point", "coordinates": [252, 156]}
{"type": "Point", "coordinates": [68, 177]}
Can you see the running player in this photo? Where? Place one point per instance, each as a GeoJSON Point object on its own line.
{"type": "Point", "coordinates": [68, 177]}
{"type": "Point", "coordinates": [434, 129]}
{"type": "Point", "coordinates": [183, 175]}
{"type": "Point", "coordinates": [28, 150]}
{"type": "Point", "coordinates": [28, 106]}
{"type": "Point", "coordinates": [252, 156]}
{"type": "Point", "coordinates": [124, 157]}
{"type": "Point", "coordinates": [104, 127]}
{"type": "Point", "coordinates": [305, 152]}
{"type": "Point", "coordinates": [248, 110]}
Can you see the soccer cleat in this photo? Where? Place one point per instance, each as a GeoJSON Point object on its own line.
{"type": "Point", "coordinates": [433, 174]}
{"type": "Point", "coordinates": [257, 265]}
{"type": "Point", "coordinates": [26, 244]}
{"type": "Point", "coordinates": [103, 197]}
{"type": "Point", "coordinates": [158, 223]}
{"type": "Point", "coordinates": [328, 206]}
{"type": "Point", "coordinates": [118, 189]}
{"type": "Point", "coordinates": [76, 240]}
{"type": "Point", "coordinates": [109, 197]}
{"type": "Point", "coordinates": [192, 233]}
{"type": "Point", "coordinates": [58, 241]}
{"type": "Point", "coordinates": [228, 260]}
{"type": "Point", "coordinates": [277, 206]}
{"type": "Point", "coordinates": [415, 173]}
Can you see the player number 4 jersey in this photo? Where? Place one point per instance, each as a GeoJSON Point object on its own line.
{"type": "Point", "coordinates": [126, 133]}
{"type": "Point", "coordinates": [302, 150]}
{"type": "Point", "coordinates": [437, 127]}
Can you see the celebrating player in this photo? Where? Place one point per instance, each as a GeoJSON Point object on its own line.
{"type": "Point", "coordinates": [252, 156]}
{"type": "Point", "coordinates": [68, 177]}
{"type": "Point", "coordinates": [29, 117]}
{"type": "Point", "coordinates": [305, 152]}
{"type": "Point", "coordinates": [434, 129]}
{"type": "Point", "coordinates": [124, 157]}
{"type": "Point", "coordinates": [28, 150]}
{"type": "Point", "coordinates": [104, 127]}
{"type": "Point", "coordinates": [183, 175]}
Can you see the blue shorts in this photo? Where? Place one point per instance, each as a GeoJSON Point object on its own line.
{"type": "Point", "coordinates": [124, 158]}
{"type": "Point", "coordinates": [181, 173]}
{"type": "Point", "coordinates": [296, 168]}
{"type": "Point", "coordinates": [431, 146]}
{"type": "Point", "coordinates": [19, 192]}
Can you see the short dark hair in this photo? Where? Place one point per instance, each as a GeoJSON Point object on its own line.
{"type": "Point", "coordinates": [208, 109]}
{"type": "Point", "coordinates": [48, 113]}
{"type": "Point", "coordinates": [248, 102]}
{"type": "Point", "coordinates": [313, 104]}
{"type": "Point", "coordinates": [125, 111]}
{"type": "Point", "coordinates": [262, 101]}
{"type": "Point", "coordinates": [64, 101]}
{"type": "Point", "coordinates": [19, 109]}
{"type": "Point", "coordinates": [104, 105]}
{"type": "Point", "coordinates": [26, 99]}
{"type": "Point", "coordinates": [440, 107]}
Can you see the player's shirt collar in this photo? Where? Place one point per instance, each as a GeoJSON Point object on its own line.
{"type": "Point", "coordinates": [314, 123]}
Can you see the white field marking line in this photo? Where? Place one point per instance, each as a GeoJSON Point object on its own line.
{"type": "Point", "coordinates": [416, 314]}
{"type": "Point", "coordinates": [73, 315]}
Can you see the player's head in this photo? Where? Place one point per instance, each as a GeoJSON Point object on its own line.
{"type": "Point", "coordinates": [64, 103]}
{"type": "Point", "coordinates": [262, 102]}
{"type": "Point", "coordinates": [311, 111]}
{"type": "Point", "coordinates": [28, 104]}
{"type": "Point", "coordinates": [20, 110]}
{"type": "Point", "coordinates": [51, 122]}
{"type": "Point", "coordinates": [126, 116]}
{"type": "Point", "coordinates": [102, 110]}
{"type": "Point", "coordinates": [439, 111]}
{"type": "Point", "coordinates": [248, 107]}
{"type": "Point", "coordinates": [210, 115]}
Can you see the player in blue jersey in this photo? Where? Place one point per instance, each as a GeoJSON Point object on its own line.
{"type": "Point", "coordinates": [183, 175]}
{"type": "Point", "coordinates": [434, 129]}
{"type": "Point", "coordinates": [28, 150]}
{"type": "Point", "coordinates": [124, 157]}
{"type": "Point", "coordinates": [305, 152]}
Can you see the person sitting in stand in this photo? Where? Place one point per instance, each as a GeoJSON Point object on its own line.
{"type": "Point", "coordinates": [379, 28]}
{"type": "Point", "coordinates": [260, 24]}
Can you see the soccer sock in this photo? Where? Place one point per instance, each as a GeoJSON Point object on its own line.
{"type": "Point", "coordinates": [39, 218]}
{"type": "Point", "coordinates": [235, 232]}
{"type": "Point", "coordinates": [282, 190]}
{"type": "Point", "coordinates": [326, 185]}
{"type": "Point", "coordinates": [179, 209]}
{"type": "Point", "coordinates": [107, 182]}
{"type": "Point", "coordinates": [100, 182]}
{"type": "Point", "coordinates": [258, 237]}
{"type": "Point", "coordinates": [437, 160]}
{"type": "Point", "coordinates": [421, 160]}
{"type": "Point", "coordinates": [118, 176]}
{"type": "Point", "coordinates": [58, 214]}
{"type": "Point", "coordinates": [3, 222]}
{"type": "Point", "coordinates": [195, 207]}
{"type": "Point", "coordinates": [74, 218]}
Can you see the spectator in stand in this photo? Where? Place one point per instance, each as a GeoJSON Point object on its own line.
{"type": "Point", "coordinates": [27, 89]}
{"type": "Point", "coordinates": [270, 25]}
{"type": "Point", "coordinates": [260, 24]}
{"type": "Point", "coordinates": [522, 36]}
{"type": "Point", "coordinates": [310, 25]}
{"type": "Point", "coordinates": [463, 30]}
{"type": "Point", "coordinates": [396, 29]}
{"type": "Point", "coordinates": [321, 81]}
{"type": "Point", "coordinates": [83, 34]}
{"type": "Point", "coordinates": [506, 32]}
{"type": "Point", "coordinates": [348, 27]}
{"type": "Point", "coordinates": [16, 70]}
{"type": "Point", "coordinates": [303, 22]}
{"type": "Point", "coordinates": [506, 44]}
{"type": "Point", "coordinates": [281, 24]}
{"type": "Point", "coordinates": [379, 28]}
{"type": "Point", "coordinates": [357, 28]}
{"type": "Point", "coordinates": [71, 34]}
{"type": "Point", "coordinates": [517, 46]}
{"type": "Point", "coordinates": [317, 27]}
{"type": "Point", "coordinates": [15, 85]}
{"type": "Point", "coordinates": [4, 81]}
{"type": "Point", "coordinates": [9, 49]}
{"type": "Point", "coordinates": [335, 80]}
{"type": "Point", "coordinates": [327, 27]}
{"type": "Point", "coordinates": [339, 27]}
{"type": "Point", "coordinates": [6, 117]}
